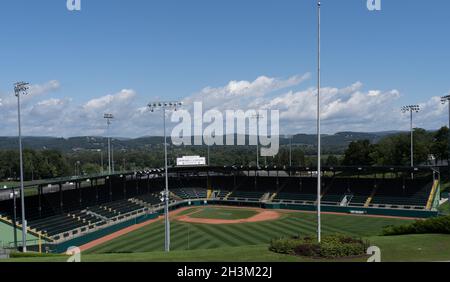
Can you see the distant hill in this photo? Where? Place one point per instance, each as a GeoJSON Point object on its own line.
{"type": "Point", "coordinates": [335, 142]}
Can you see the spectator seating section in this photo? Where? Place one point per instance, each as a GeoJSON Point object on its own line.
{"type": "Point", "coordinates": [412, 194]}
{"type": "Point", "coordinates": [190, 193]}
{"type": "Point", "coordinates": [246, 195]}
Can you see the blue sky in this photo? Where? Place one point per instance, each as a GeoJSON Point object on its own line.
{"type": "Point", "coordinates": [174, 49]}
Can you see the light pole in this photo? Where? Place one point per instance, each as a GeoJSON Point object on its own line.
{"type": "Point", "coordinates": [108, 118]}
{"type": "Point", "coordinates": [21, 88]}
{"type": "Point", "coordinates": [319, 168]}
{"type": "Point", "coordinates": [446, 99]}
{"type": "Point", "coordinates": [411, 109]}
{"type": "Point", "coordinates": [208, 145]}
{"type": "Point", "coordinates": [101, 160]}
{"type": "Point", "coordinates": [257, 117]}
{"type": "Point", "coordinates": [165, 195]}
{"type": "Point", "coordinates": [290, 150]}
{"type": "Point", "coordinates": [13, 196]}
{"type": "Point", "coordinates": [209, 164]}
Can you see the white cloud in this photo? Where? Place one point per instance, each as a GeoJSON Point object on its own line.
{"type": "Point", "coordinates": [40, 89]}
{"type": "Point", "coordinates": [350, 108]}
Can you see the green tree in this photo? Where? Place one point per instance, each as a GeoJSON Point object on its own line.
{"type": "Point", "coordinates": [358, 153]}
{"type": "Point", "coordinates": [440, 145]}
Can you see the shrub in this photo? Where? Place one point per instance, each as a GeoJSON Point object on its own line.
{"type": "Point", "coordinates": [436, 225]}
{"type": "Point", "coordinates": [335, 246]}
{"type": "Point", "coordinates": [284, 246]}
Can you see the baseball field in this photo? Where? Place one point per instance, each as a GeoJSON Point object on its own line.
{"type": "Point", "coordinates": [243, 234]}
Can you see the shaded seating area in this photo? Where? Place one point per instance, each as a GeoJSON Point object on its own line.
{"type": "Point", "coordinates": [123, 206]}
{"type": "Point", "coordinates": [56, 224]}
{"type": "Point", "coordinates": [285, 196]}
{"type": "Point", "coordinates": [409, 194]}
{"type": "Point", "coordinates": [151, 199]}
{"type": "Point", "coordinates": [222, 194]}
{"type": "Point", "coordinates": [190, 193]}
{"type": "Point", "coordinates": [246, 195]}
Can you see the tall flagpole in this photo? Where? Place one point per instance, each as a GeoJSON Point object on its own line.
{"type": "Point", "coordinates": [319, 170]}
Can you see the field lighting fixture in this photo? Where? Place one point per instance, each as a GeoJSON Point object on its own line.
{"type": "Point", "coordinates": [411, 109]}
{"type": "Point", "coordinates": [109, 118]}
{"type": "Point", "coordinates": [21, 88]}
{"type": "Point", "coordinates": [164, 106]}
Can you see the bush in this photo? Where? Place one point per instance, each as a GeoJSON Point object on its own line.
{"type": "Point", "coordinates": [284, 246]}
{"type": "Point", "coordinates": [335, 246]}
{"type": "Point", "coordinates": [435, 225]}
{"type": "Point", "coordinates": [31, 255]}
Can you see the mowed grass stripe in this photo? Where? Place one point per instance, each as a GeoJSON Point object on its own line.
{"type": "Point", "coordinates": [145, 241]}
{"type": "Point", "coordinates": [196, 242]}
{"type": "Point", "coordinates": [180, 239]}
{"type": "Point", "coordinates": [272, 230]}
{"type": "Point", "coordinates": [246, 234]}
{"type": "Point", "coordinates": [223, 235]}
{"type": "Point", "coordinates": [122, 243]}
{"type": "Point", "coordinates": [287, 228]}
{"type": "Point", "coordinates": [198, 238]}
{"type": "Point", "coordinates": [311, 226]}
{"type": "Point", "coordinates": [149, 235]}
{"type": "Point", "coordinates": [301, 227]}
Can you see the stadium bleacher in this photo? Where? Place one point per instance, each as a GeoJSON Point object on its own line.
{"type": "Point", "coordinates": [190, 193]}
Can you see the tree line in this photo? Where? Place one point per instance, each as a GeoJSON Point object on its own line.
{"type": "Point", "coordinates": [430, 148]}
{"type": "Point", "coordinates": [390, 150]}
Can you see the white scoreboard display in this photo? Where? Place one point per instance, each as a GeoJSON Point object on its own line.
{"type": "Point", "coordinates": [191, 161]}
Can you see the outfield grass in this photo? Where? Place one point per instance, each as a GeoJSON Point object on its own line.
{"type": "Point", "coordinates": [191, 236]}
{"type": "Point", "coordinates": [445, 208]}
{"type": "Point", "coordinates": [427, 247]}
{"type": "Point", "coordinates": [223, 213]}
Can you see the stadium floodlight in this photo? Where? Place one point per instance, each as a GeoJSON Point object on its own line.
{"type": "Point", "coordinates": [164, 106]}
{"type": "Point", "coordinates": [108, 118]}
{"type": "Point", "coordinates": [21, 88]}
{"type": "Point", "coordinates": [319, 168]}
{"type": "Point", "coordinates": [411, 109]}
